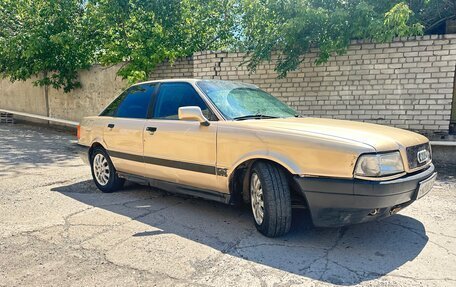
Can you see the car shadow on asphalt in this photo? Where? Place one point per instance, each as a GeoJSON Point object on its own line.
{"type": "Point", "coordinates": [341, 256]}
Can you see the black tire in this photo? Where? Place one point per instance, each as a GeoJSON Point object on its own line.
{"type": "Point", "coordinates": [114, 182]}
{"type": "Point", "coordinates": [275, 187]}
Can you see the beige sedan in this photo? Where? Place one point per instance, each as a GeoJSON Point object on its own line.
{"type": "Point", "coordinates": [232, 142]}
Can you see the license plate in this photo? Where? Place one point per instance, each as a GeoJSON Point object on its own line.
{"type": "Point", "coordinates": [426, 186]}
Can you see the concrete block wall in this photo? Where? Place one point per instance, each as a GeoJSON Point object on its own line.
{"type": "Point", "coordinates": [100, 86]}
{"type": "Point", "coordinates": [22, 97]}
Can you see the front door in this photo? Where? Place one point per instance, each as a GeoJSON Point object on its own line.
{"type": "Point", "coordinates": [178, 151]}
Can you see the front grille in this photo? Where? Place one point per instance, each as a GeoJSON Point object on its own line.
{"type": "Point", "coordinates": [412, 155]}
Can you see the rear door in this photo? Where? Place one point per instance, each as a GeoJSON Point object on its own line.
{"type": "Point", "coordinates": [180, 151]}
{"type": "Point", "coordinates": [123, 133]}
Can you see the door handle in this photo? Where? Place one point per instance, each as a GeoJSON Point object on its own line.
{"type": "Point", "coordinates": [151, 129]}
{"type": "Point", "coordinates": [111, 126]}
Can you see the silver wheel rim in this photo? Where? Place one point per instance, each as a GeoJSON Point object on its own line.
{"type": "Point", "coordinates": [101, 169]}
{"type": "Point", "coordinates": [256, 198]}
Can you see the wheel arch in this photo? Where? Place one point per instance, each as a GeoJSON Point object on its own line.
{"type": "Point", "coordinates": [93, 146]}
{"type": "Point", "coordinates": [239, 177]}
{"type": "Point", "coordinates": [277, 158]}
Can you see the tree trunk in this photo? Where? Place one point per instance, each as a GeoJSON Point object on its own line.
{"type": "Point", "coordinates": [46, 97]}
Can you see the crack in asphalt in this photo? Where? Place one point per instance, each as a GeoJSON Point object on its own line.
{"type": "Point", "coordinates": [418, 278]}
{"type": "Point", "coordinates": [441, 234]}
{"type": "Point", "coordinates": [157, 212]}
{"type": "Point", "coordinates": [423, 237]}
{"type": "Point", "coordinates": [67, 245]}
{"type": "Point", "coordinates": [48, 184]}
{"type": "Point", "coordinates": [157, 275]}
{"type": "Point", "coordinates": [340, 235]}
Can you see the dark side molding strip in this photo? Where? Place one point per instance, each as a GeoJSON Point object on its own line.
{"type": "Point", "coordinates": [168, 163]}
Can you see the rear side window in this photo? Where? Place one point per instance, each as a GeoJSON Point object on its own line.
{"type": "Point", "coordinates": [133, 103]}
{"type": "Point", "coordinates": [111, 110]}
{"type": "Point", "coordinates": [172, 96]}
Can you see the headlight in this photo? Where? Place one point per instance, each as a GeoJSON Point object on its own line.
{"type": "Point", "coordinates": [376, 165]}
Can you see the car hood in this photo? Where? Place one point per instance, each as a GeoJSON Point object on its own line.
{"type": "Point", "coordinates": [381, 138]}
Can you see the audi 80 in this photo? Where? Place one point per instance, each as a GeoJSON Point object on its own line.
{"type": "Point", "coordinates": [232, 142]}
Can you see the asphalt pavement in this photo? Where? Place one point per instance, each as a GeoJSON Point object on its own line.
{"type": "Point", "coordinates": [58, 229]}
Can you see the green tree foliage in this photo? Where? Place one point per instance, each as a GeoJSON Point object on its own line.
{"type": "Point", "coordinates": [55, 39]}
{"type": "Point", "coordinates": [291, 28]}
{"type": "Point", "coordinates": [49, 39]}
{"type": "Point", "coordinates": [142, 34]}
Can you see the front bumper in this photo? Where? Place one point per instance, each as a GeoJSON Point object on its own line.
{"type": "Point", "coordinates": [339, 202]}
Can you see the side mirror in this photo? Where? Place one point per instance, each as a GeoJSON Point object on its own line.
{"type": "Point", "coordinates": [193, 113]}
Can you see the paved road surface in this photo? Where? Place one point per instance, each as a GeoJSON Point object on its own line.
{"type": "Point", "coordinates": [57, 229]}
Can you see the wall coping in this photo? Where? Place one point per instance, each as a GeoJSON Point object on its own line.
{"type": "Point", "coordinates": [356, 42]}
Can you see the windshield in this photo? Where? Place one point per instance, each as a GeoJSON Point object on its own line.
{"type": "Point", "coordinates": [241, 101]}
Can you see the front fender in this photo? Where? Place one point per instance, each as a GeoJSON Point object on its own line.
{"type": "Point", "coordinates": [299, 153]}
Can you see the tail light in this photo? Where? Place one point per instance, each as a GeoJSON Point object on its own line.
{"type": "Point", "coordinates": [78, 133]}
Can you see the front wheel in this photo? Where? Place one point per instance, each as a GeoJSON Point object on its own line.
{"type": "Point", "coordinates": [103, 172]}
{"type": "Point", "coordinates": [270, 199]}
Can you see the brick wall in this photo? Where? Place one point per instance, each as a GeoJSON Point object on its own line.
{"type": "Point", "coordinates": [182, 68]}
{"type": "Point", "coordinates": [407, 83]}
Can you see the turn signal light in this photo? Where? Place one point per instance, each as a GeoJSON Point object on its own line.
{"type": "Point", "coordinates": [78, 133]}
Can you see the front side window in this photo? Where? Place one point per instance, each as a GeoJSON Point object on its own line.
{"type": "Point", "coordinates": [133, 103]}
{"type": "Point", "coordinates": [172, 96]}
{"type": "Point", "coordinates": [239, 100]}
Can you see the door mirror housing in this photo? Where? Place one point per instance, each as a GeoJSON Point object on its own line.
{"type": "Point", "coordinates": [193, 113]}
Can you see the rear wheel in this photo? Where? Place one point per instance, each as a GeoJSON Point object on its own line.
{"type": "Point", "coordinates": [270, 199]}
{"type": "Point", "coordinates": [103, 172]}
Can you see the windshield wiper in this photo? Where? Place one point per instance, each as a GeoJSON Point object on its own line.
{"type": "Point", "coordinates": [256, 116]}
